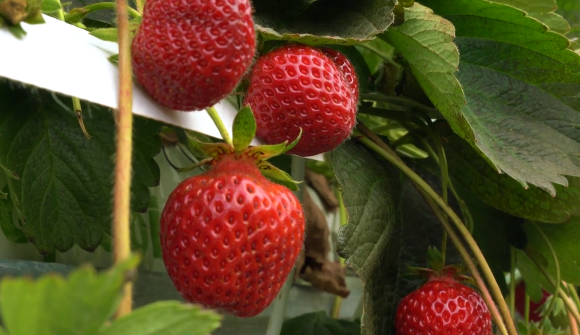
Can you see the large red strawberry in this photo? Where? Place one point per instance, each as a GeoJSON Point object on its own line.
{"type": "Point", "coordinates": [190, 54]}
{"type": "Point", "coordinates": [230, 236]}
{"type": "Point", "coordinates": [298, 86]}
{"type": "Point", "coordinates": [443, 306]}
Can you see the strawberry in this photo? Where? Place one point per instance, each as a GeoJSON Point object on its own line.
{"type": "Point", "coordinates": [346, 67]}
{"type": "Point", "coordinates": [190, 54]}
{"type": "Point", "coordinates": [443, 306]}
{"type": "Point", "coordinates": [229, 236]}
{"type": "Point", "coordinates": [535, 307]}
{"type": "Point", "coordinates": [299, 87]}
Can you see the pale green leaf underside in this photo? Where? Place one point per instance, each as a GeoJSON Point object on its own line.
{"type": "Point", "coordinates": [537, 6]}
{"type": "Point", "coordinates": [165, 318]}
{"type": "Point", "coordinates": [570, 10]}
{"type": "Point", "coordinates": [322, 21]}
{"type": "Point", "coordinates": [369, 195]}
{"type": "Point", "coordinates": [426, 41]}
{"type": "Point", "coordinates": [522, 88]}
{"type": "Point", "coordinates": [503, 192]}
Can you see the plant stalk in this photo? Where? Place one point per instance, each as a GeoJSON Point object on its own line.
{"type": "Point", "coordinates": [384, 151]}
{"type": "Point", "coordinates": [212, 112]}
{"type": "Point", "coordinates": [124, 149]}
{"type": "Point", "coordinates": [513, 282]}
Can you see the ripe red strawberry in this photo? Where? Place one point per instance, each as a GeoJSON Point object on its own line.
{"type": "Point", "coordinates": [535, 307]}
{"type": "Point", "coordinates": [190, 54]}
{"type": "Point", "coordinates": [298, 86]}
{"type": "Point", "coordinates": [443, 306]}
{"type": "Point", "coordinates": [230, 237]}
{"type": "Point", "coordinates": [346, 67]}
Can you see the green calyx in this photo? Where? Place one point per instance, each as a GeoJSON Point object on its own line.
{"type": "Point", "coordinates": [244, 131]}
{"type": "Point", "coordinates": [437, 268]}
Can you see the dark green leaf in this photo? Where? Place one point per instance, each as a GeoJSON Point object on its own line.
{"type": "Point", "coordinates": [566, 246]}
{"type": "Point", "coordinates": [12, 233]}
{"type": "Point", "coordinates": [165, 318]}
{"type": "Point", "coordinates": [154, 219]}
{"type": "Point", "coordinates": [79, 304]}
{"type": "Point", "coordinates": [243, 128]}
{"type": "Point", "coordinates": [50, 6]}
{"type": "Point", "coordinates": [532, 277]}
{"type": "Point", "coordinates": [522, 86]}
{"type": "Point", "coordinates": [318, 323]}
{"type": "Point", "coordinates": [66, 179]}
{"type": "Point", "coordinates": [322, 21]}
{"type": "Point", "coordinates": [426, 42]}
{"type": "Point", "coordinates": [503, 192]}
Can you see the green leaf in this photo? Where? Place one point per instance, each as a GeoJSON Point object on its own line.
{"type": "Point", "coordinates": [17, 31]}
{"type": "Point", "coordinates": [566, 247]}
{"type": "Point", "coordinates": [505, 193]}
{"type": "Point", "coordinates": [522, 86]}
{"type": "Point", "coordinates": [165, 318]}
{"type": "Point", "coordinates": [322, 21]}
{"type": "Point", "coordinates": [154, 219]}
{"type": "Point", "coordinates": [244, 128]}
{"type": "Point", "coordinates": [554, 21]}
{"type": "Point", "coordinates": [12, 233]}
{"type": "Point", "coordinates": [106, 34]}
{"type": "Point", "coordinates": [50, 6]}
{"type": "Point", "coordinates": [79, 304]}
{"type": "Point", "coordinates": [66, 186]}
{"type": "Point", "coordinates": [570, 10]}
{"type": "Point", "coordinates": [426, 41]}
{"type": "Point", "coordinates": [369, 242]}
{"type": "Point", "coordinates": [531, 6]}
{"type": "Point", "coordinates": [318, 323]}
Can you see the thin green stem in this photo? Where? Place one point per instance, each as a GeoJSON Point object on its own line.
{"type": "Point", "coordinates": [558, 279]}
{"type": "Point", "coordinates": [527, 310]}
{"type": "Point", "coordinates": [513, 282]}
{"type": "Point", "coordinates": [392, 158]}
{"type": "Point", "coordinates": [574, 295]}
{"type": "Point", "coordinates": [109, 5]}
{"type": "Point", "coordinates": [212, 112]}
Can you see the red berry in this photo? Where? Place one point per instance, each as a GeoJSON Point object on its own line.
{"type": "Point", "coordinates": [534, 306]}
{"type": "Point", "coordinates": [298, 86]}
{"type": "Point", "coordinates": [230, 237]}
{"type": "Point", "coordinates": [443, 306]}
{"type": "Point", "coordinates": [346, 67]}
{"type": "Point", "coordinates": [190, 54]}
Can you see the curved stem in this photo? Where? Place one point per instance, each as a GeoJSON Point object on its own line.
{"type": "Point", "coordinates": [527, 311]}
{"type": "Point", "coordinates": [574, 295]}
{"type": "Point", "coordinates": [110, 5]}
{"type": "Point", "coordinates": [558, 280]}
{"type": "Point", "coordinates": [220, 125]}
{"type": "Point", "coordinates": [124, 148]}
{"type": "Point", "coordinates": [390, 156]}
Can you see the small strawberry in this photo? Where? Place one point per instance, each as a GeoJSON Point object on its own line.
{"type": "Point", "coordinates": [190, 54]}
{"type": "Point", "coordinates": [230, 236]}
{"type": "Point", "coordinates": [535, 307]}
{"type": "Point", "coordinates": [443, 305]}
{"type": "Point", "coordinates": [299, 87]}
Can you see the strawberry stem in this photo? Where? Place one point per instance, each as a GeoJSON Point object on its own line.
{"type": "Point", "coordinates": [124, 148]}
{"type": "Point", "coordinates": [75, 101]}
{"type": "Point", "coordinates": [217, 120]}
{"type": "Point", "coordinates": [527, 310]}
{"type": "Point", "coordinates": [107, 5]}
{"type": "Point", "coordinates": [513, 282]}
{"type": "Point", "coordinates": [558, 279]}
{"type": "Point", "coordinates": [378, 146]}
